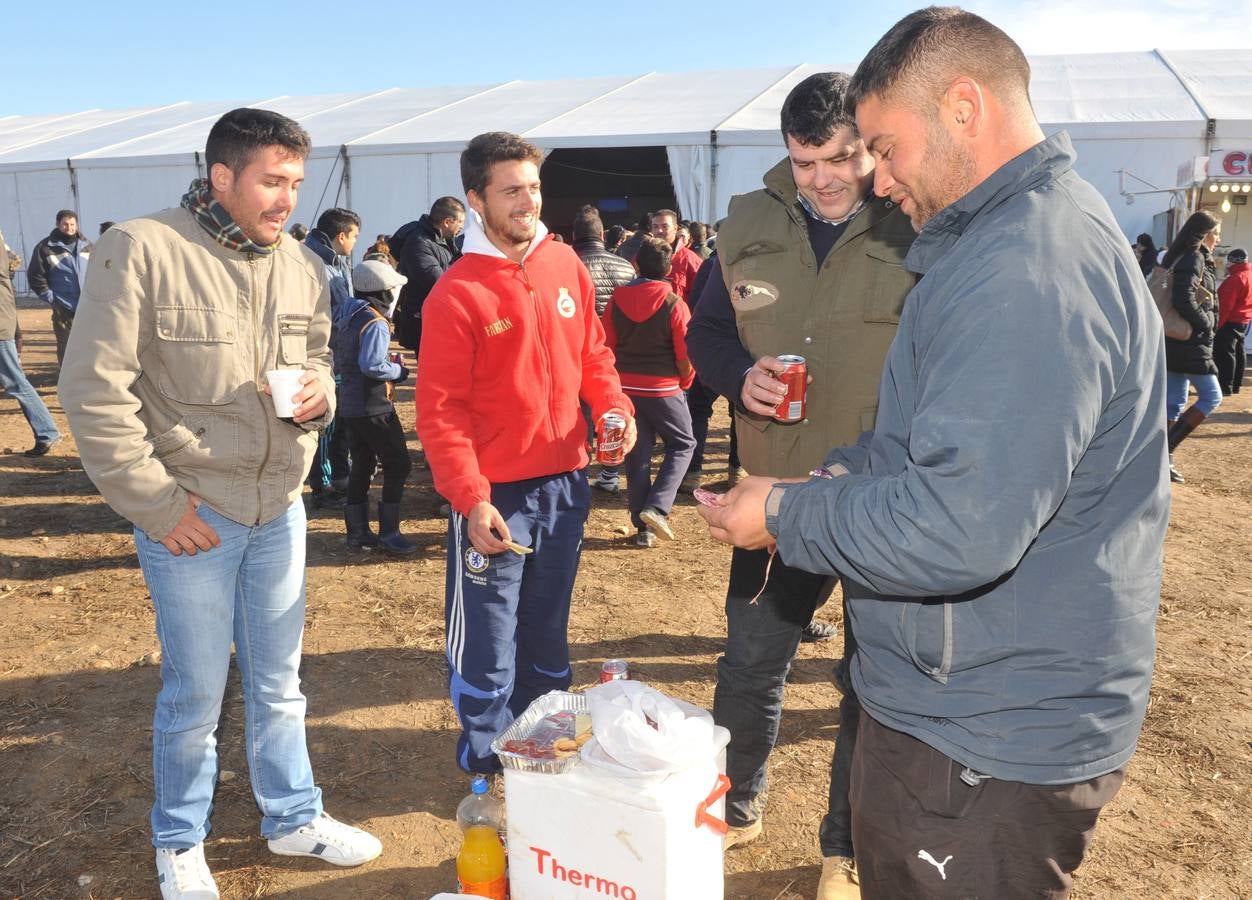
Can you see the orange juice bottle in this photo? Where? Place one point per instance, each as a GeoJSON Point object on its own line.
{"type": "Point", "coordinates": [481, 867]}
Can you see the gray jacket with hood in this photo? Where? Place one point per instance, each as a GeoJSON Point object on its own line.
{"type": "Point", "coordinates": [1001, 532]}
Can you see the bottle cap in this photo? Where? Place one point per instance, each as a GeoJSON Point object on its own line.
{"type": "Point", "coordinates": [478, 785]}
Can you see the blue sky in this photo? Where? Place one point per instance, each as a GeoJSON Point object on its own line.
{"type": "Point", "coordinates": [123, 54]}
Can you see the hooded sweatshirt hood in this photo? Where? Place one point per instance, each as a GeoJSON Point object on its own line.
{"type": "Point", "coordinates": [640, 299]}
{"type": "Point", "coordinates": [476, 240]}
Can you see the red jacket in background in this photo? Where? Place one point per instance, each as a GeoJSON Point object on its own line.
{"type": "Point", "coordinates": [682, 273]}
{"type": "Point", "coordinates": [639, 300]}
{"type": "Point", "coordinates": [507, 351]}
{"type": "Point", "coordinates": [1235, 296]}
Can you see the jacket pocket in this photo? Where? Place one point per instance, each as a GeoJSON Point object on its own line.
{"type": "Point", "coordinates": [928, 637]}
{"type": "Point", "coordinates": [889, 284]}
{"type": "Point", "coordinates": [293, 335]}
{"type": "Point", "coordinates": [197, 349]}
{"type": "Point", "coordinates": [205, 445]}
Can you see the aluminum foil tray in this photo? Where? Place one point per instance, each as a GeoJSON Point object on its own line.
{"type": "Point", "coordinates": [526, 723]}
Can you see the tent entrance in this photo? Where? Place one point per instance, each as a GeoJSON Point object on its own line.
{"type": "Point", "coordinates": [622, 182]}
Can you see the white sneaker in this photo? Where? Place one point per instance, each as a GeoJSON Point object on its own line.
{"type": "Point", "coordinates": [184, 875]}
{"type": "Point", "coordinates": [657, 522]}
{"type": "Point", "coordinates": [330, 841]}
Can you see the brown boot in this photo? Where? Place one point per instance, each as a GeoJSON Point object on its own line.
{"type": "Point", "coordinates": [1186, 424]}
{"type": "Point", "coordinates": [839, 879]}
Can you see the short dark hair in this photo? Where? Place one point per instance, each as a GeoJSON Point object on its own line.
{"type": "Point", "coordinates": [645, 221]}
{"type": "Point", "coordinates": [106, 225]}
{"type": "Point", "coordinates": [814, 110]}
{"type": "Point", "coordinates": [336, 221]}
{"type": "Point", "coordinates": [446, 208]}
{"type": "Point", "coordinates": [699, 232]}
{"type": "Point", "coordinates": [486, 150]}
{"type": "Point", "coordinates": [66, 214]}
{"type": "Point", "coordinates": [236, 137]}
{"type": "Point", "coordinates": [298, 231]}
{"type": "Point", "coordinates": [587, 225]}
{"type": "Point", "coordinates": [613, 236]}
{"type": "Point", "coordinates": [925, 50]}
{"type": "Point", "coordinates": [654, 257]}
{"type": "Point", "coordinates": [663, 212]}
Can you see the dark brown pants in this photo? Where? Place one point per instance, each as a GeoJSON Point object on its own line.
{"type": "Point", "coordinates": [921, 832]}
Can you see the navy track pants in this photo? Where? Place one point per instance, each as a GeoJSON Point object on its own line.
{"type": "Point", "coordinates": [507, 615]}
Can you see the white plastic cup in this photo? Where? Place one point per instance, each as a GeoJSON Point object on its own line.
{"type": "Point", "coordinates": [284, 385]}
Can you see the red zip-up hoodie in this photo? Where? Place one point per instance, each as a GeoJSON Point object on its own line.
{"type": "Point", "coordinates": [1235, 296]}
{"type": "Point", "coordinates": [639, 301]}
{"type": "Point", "coordinates": [507, 351]}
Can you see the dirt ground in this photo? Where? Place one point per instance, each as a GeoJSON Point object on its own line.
{"type": "Point", "coordinates": [76, 691]}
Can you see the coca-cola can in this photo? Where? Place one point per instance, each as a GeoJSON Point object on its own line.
{"type": "Point", "coordinates": [614, 670]}
{"type": "Point", "coordinates": [795, 377]}
{"type": "Point", "coordinates": [611, 440]}
{"type": "Point", "coordinates": [396, 358]}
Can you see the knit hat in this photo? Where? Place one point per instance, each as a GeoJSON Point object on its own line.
{"type": "Point", "coordinates": [374, 277]}
{"type": "Point", "coordinates": [1236, 256]}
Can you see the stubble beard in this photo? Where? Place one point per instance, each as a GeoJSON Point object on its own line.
{"type": "Point", "coordinates": [505, 230]}
{"type": "Point", "coordinates": [950, 176]}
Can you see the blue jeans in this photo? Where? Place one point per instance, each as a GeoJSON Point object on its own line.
{"type": "Point", "coordinates": [15, 383]}
{"type": "Point", "coordinates": [250, 590]}
{"type": "Point", "coordinates": [667, 417]}
{"type": "Point", "coordinates": [1208, 393]}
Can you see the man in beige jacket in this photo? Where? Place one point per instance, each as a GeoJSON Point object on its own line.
{"type": "Point", "coordinates": [182, 314]}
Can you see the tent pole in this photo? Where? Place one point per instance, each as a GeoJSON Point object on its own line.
{"type": "Point", "coordinates": [710, 213]}
{"type": "Point", "coordinates": [69, 164]}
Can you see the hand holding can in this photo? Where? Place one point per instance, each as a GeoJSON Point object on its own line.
{"type": "Point", "coordinates": [611, 440]}
{"type": "Point", "coordinates": [795, 376]}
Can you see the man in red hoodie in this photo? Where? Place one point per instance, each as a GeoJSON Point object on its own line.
{"type": "Point", "coordinates": [686, 261]}
{"type": "Point", "coordinates": [1234, 313]}
{"type": "Point", "coordinates": [510, 344]}
{"type": "Point", "coordinates": [645, 324]}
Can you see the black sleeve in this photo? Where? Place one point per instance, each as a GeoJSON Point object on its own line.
{"type": "Point", "coordinates": [37, 270]}
{"type": "Point", "coordinates": [1187, 276]}
{"type": "Point", "coordinates": [422, 267]}
{"type": "Point", "coordinates": [713, 345]}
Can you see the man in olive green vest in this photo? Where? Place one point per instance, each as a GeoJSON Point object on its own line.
{"type": "Point", "coordinates": [811, 265]}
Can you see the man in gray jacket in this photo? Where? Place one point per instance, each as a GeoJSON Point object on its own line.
{"type": "Point", "coordinates": [1000, 532]}
{"type": "Point", "coordinates": [182, 314]}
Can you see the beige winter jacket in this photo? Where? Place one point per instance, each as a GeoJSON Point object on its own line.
{"type": "Point", "coordinates": [164, 373]}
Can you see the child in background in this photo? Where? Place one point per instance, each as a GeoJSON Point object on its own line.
{"type": "Point", "coordinates": [645, 324]}
{"type": "Point", "coordinates": [360, 342]}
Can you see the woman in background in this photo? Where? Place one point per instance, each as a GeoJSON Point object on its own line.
{"type": "Point", "coordinates": [1194, 289]}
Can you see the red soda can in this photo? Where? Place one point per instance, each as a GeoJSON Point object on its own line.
{"type": "Point", "coordinates": [614, 670]}
{"type": "Point", "coordinates": [611, 441]}
{"type": "Point", "coordinates": [396, 358]}
{"type": "Point", "coordinates": [795, 377]}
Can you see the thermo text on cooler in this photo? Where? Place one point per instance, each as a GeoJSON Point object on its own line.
{"type": "Point", "coordinates": [581, 879]}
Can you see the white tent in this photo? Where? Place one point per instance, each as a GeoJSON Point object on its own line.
{"type": "Point", "coordinates": [388, 154]}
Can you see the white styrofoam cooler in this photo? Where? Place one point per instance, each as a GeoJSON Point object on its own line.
{"type": "Point", "coordinates": [587, 834]}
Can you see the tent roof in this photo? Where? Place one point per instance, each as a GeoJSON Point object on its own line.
{"type": "Point", "coordinates": [1141, 91]}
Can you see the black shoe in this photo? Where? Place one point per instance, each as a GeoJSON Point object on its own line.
{"type": "Point", "coordinates": [329, 498]}
{"type": "Point", "coordinates": [816, 631]}
{"type": "Point", "coordinates": [42, 447]}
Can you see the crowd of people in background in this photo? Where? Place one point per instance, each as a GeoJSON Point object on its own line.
{"type": "Point", "coordinates": [923, 469]}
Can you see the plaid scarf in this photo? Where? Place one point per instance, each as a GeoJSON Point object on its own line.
{"type": "Point", "coordinates": [214, 219]}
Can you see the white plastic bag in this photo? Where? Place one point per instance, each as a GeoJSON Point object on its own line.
{"type": "Point", "coordinates": [638, 729]}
